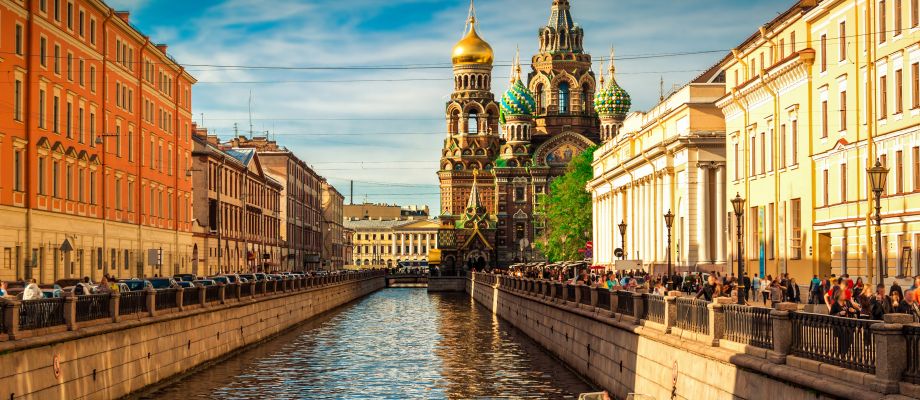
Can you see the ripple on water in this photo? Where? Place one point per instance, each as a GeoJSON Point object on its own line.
{"type": "Point", "coordinates": [393, 344]}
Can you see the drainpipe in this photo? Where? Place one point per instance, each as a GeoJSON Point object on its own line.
{"type": "Point", "coordinates": [736, 54]}
{"type": "Point", "coordinates": [105, 102]}
{"type": "Point", "coordinates": [763, 36]}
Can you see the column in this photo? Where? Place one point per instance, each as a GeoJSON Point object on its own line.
{"type": "Point", "coordinates": [595, 225]}
{"type": "Point", "coordinates": [611, 224]}
{"type": "Point", "coordinates": [427, 243]}
{"type": "Point", "coordinates": [392, 245]}
{"type": "Point", "coordinates": [702, 183]}
{"type": "Point", "coordinates": [402, 244]}
{"type": "Point", "coordinates": [660, 229]}
{"type": "Point", "coordinates": [720, 200]}
{"type": "Point", "coordinates": [411, 241]}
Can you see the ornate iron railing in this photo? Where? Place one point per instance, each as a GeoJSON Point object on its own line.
{"type": "Point", "coordinates": [43, 313]}
{"type": "Point", "coordinates": [693, 315]}
{"type": "Point", "coordinates": [93, 306]}
{"type": "Point", "coordinates": [166, 299]}
{"type": "Point", "coordinates": [585, 294]}
{"type": "Point", "coordinates": [569, 292]}
{"type": "Point", "coordinates": [748, 325]}
{"type": "Point", "coordinates": [912, 334]}
{"type": "Point", "coordinates": [212, 294]}
{"type": "Point", "coordinates": [3, 311]}
{"type": "Point", "coordinates": [844, 342]}
{"type": "Point", "coordinates": [246, 289]}
{"type": "Point", "coordinates": [603, 298]}
{"type": "Point", "coordinates": [625, 303]}
{"type": "Point", "coordinates": [190, 297]}
{"type": "Point", "coordinates": [654, 307]}
{"type": "Point", "coordinates": [559, 288]}
{"type": "Point", "coordinates": [132, 302]}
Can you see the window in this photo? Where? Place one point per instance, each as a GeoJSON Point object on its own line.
{"type": "Point", "coordinates": [130, 146]}
{"type": "Point", "coordinates": [753, 155]}
{"type": "Point", "coordinates": [80, 23]}
{"type": "Point", "coordinates": [792, 40]}
{"type": "Point", "coordinates": [130, 196]}
{"type": "Point", "coordinates": [897, 17]}
{"type": "Point", "coordinates": [824, 129]}
{"type": "Point", "coordinates": [915, 158]}
{"type": "Point", "coordinates": [57, 10]}
{"type": "Point", "coordinates": [43, 51]}
{"type": "Point", "coordinates": [898, 92]}
{"type": "Point", "coordinates": [92, 129]}
{"type": "Point", "coordinates": [92, 187]}
{"type": "Point", "coordinates": [882, 19]}
{"type": "Point", "coordinates": [763, 152]}
{"type": "Point", "coordinates": [57, 59]}
{"type": "Point", "coordinates": [899, 171]}
{"type": "Point", "coordinates": [915, 85]}
{"type": "Point", "coordinates": [564, 98]}
{"type": "Point", "coordinates": [43, 5]}
{"type": "Point", "coordinates": [56, 115]}
{"type": "Point", "coordinates": [19, 50]}
{"type": "Point", "coordinates": [42, 176]}
{"type": "Point", "coordinates": [118, 140]}
{"type": "Point", "coordinates": [795, 207]}
{"type": "Point", "coordinates": [823, 53]}
{"type": "Point", "coordinates": [883, 97]}
{"type": "Point", "coordinates": [68, 182]}
{"type": "Point", "coordinates": [884, 160]}
{"type": "Point", "coordinates": [81, 74]}
{"type": "Point", "coordinates": [17, 170]}
{"type": "Point", "coordinates": [843, 110]}
{"type": "Point", "coordinates": [92, 31]}
{"type": "Point", "coordinates": [843, 183]}
{"type": "Point", "coordinates": [80, 183]}
{"type": "Point", "coordinates": [70, 16]}
{"type": "Point", "coordinates": [914, 13]}
{"type": "Point", "coordinates": [17, 100]}
{"type": "Point", "coordinates": [118, 193]}
{"type": "Point", "coordinates": [782, 49]}
{"type": "Point", "coordinates": [782, 146]}
{"type": "Point", "coordinates": [795, 142]}
{"type": "Point", "coordinates": [825, 183]}
{"type": "Point", "coordinates": [55, 179]}
{"type": "Point", "coordinates": [472, 123]}
{"type": "Point", "coordinates": [519, 194]}
{"type": "Point", "coordinates": [842, 40]}
{"type": "Point", "coordinates": [68, 125]}
{"type": "Point", "coordinates": [737, 163]}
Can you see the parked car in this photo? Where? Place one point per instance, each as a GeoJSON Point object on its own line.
{"type": "Point", "coordinates": [185, 277]}
{"type": "Point", "coordinates": [234, 278]}
{"type": "Point", "coordinates": [51, 291]}
{"type": "Point", "coordinates": [135, 285]}
{"type": "Point", "coordinates": [186, 284]}
{"type": "Point", "coordinates": [163, 283]}
{"type": "Point", "coordinates": [249, 277]}
{"type": "Point", "coordinates": [262, 277]}
{"type": "Point", "coordinates": [220, 279]}
{"type": "Point", "coordinates": [205, 282]}
{"type": "Point", "coordinates": [274, 277]}
{"type": "Point", "coordinates": [67, 282]}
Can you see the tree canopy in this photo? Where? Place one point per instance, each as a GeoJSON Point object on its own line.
{"type": "Point", "coordinates": [567, 209]}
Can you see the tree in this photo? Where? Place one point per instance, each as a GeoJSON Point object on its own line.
{"type": "Point", "coordinates": [567, 209]}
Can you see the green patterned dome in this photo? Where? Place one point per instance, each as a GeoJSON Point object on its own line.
{"type": "Point", "coordinates": [518, 100]}
{"type": "Point", "coordinates": [612, 100]}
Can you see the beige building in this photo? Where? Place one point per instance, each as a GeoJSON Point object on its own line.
{"type": "Point", "coordinates": [813, 95]}
{"type": "Point", "coordinates": [671, 157]}
{"type": "Point", "coordinates": [389, 243]}
{"type": "Point", "coordinates": [333, 251]}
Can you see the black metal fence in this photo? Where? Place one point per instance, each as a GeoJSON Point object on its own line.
{"type": "Point", "coordinates": [132, 303]}
{"type": "Point", "coordinates": [190, 297]}
{"type": "Point", "coordinates": [559, 289]}
{"type": "Point", "coordinates": [257, 290]}
{"type": "Point", "coordinates": [654, 307]}
{"type": "Point", "coordinates": [585, 294]}
{"type": "Point", "coordinates": [748, 325]}
{"type": "Point", "coordinates": [166, 299]}
{"type": "Point", "coordinates": [3, 319]}
{"type": "Point", "coordinates": [245, 289]}
{"type": "Point", "coordinates": [93, 306]}
{"type": "Point", "coordinates": [212, 294]}
{"type": "Point", "coordinates": [692, 315]}
{"type": "Point", "coordinates": [569, 292]}
{"type": "Point", "coordinates": [625, 303]}
{"type": "Point", "coordinates": [844, 342]}
{"type": "Point", "coordinates": [603, 298]}
{"type": "Point", "coordinates": [912, 334]}
{"type": "Point", "coordinates": [44, 313]}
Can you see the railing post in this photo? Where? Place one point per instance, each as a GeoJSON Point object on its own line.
{"type": "Point", "coordinates": [782, 332]}
{"type": "Point", "coordinates": [670, 309]}
{"type": "Point", "coordinates": [614, 302]}
{"type": "Point", "coordinates": [252, 289]}
{"type": "Point", "coordinates": [70, 312]}
{"type": "Point", "coordinates": [577, 291]}
{"type": "Point", "coordinates": [180, 298]}
{"type": "Point", "coordinates": [115, 306]}
{"type": "Point", "coordinates": [891, 351]}
{"type": "Point", "coordinates": [717, 320]}
{"type": "Point", "coordinates": [222, 294]}
{"type": "Point", "coordinates": [264, 287]}
{"type": "Point", "coordinates": [202, 296]}
{"type": "Point", "coordinates": [594, 295]}
{"type": "Point", "coordinates": [12, 317]}
{"type": "Point", "coordinates": [238, 291]}
{"type": "Point", "coordinates": [638, 307]}
{"type": "Point", "coordinates": [151, 297]}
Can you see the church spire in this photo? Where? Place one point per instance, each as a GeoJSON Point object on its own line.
{"type": "Point", "coordinates": [474, 204]}
{"type": "Point", "coordinates": [561, 34]}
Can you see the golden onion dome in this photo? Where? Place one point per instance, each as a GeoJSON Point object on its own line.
{"type": "Point", "coordinates": [472, 50]}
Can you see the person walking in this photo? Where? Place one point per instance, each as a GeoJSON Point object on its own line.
{"type": "Point", "coordinates": [4, 289]}
{"type": "Point", "coordinates": [32, 291]}
{"type": "Point", "coordinates": [814, 290]}
{"type": "Point", "coordinates": [709, 290]}
{"type": "Point", "coordinates": [793, 292]}
{"type": "Point", "coordinates": [755, 284]}
{"type": "Point", "coordinates": [765, 288]}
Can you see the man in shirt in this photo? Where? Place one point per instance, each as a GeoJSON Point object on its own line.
{"type": "Point", "coordinates": [708, 290]}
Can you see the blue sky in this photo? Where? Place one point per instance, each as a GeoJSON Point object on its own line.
{"type": "Point", "coordinates": [337, 119]}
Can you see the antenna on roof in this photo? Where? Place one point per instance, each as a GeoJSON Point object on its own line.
{"type": "Point", "coordinates": [250, 113]}
{"type": "Point", "coordinates": [661, 89]}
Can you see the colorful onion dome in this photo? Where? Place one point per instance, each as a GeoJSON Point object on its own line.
{"type": "Point", "coordinates": [518, 100]}
{"type": "Point", "coordinates": [611, 99]}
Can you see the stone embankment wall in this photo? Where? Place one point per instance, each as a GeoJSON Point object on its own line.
{"type": "Point", "coordinates": [113, 360]}
{"type": "Point", "coordinates": [626, 356]}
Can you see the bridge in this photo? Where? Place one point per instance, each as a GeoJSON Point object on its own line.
{"type": "Point", "coordinates": [406, 280]}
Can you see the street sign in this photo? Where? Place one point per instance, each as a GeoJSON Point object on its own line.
{"type": "Point", "coordinates": [618, 252]}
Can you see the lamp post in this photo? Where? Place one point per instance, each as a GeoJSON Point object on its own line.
{"type": "Point", "coordinates": [622, 226]}
{"type": "Point", "coordinates": [877, 177]}
{"type": "Point", "coordinates": [669, 221]}
{"type": "Point", "coordinates": [738, 205]}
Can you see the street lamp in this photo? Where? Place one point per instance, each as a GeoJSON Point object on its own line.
{"type": "Point", "coordinates": [669, 221]}
{"type": "Point", "coordinates": [877, 177]}
{"type": "Point", "coordinates": [523, 244]}
{"type": "Point", "coordinates": [622, 226]}
{"type": "Point", "coordinates": [738, 205]}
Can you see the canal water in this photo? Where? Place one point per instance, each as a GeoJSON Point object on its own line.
{"type": "Point", "coordinates": [393, 344]}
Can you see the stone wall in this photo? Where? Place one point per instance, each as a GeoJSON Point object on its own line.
{"type": "Point", "coordinates": [446, 284]}
{"type": "Point", "coordinates": [624, 355]}
{"type": "Point", "coordinates": [112, 360]}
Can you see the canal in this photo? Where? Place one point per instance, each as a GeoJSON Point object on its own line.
{"type": "Point", "coordinates": [393, 344]}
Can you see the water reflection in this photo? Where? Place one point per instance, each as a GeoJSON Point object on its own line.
{"type": "Point", "coordinates": [394, 344]}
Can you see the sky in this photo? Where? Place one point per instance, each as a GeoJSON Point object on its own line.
{"type": "Point", "coordinates": [384, 128]}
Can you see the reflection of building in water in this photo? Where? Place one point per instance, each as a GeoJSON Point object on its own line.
{"type": "Point", "coordinates": [547, 117]}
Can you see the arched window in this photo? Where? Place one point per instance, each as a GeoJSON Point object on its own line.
{"type": "Point", "coordinates": [539, 99]}
{"type": "Point", "coordinates": [472, 123]}
{"type": "Point", "coordinates": [562, 39]}
{"type": "Point", "coordinates": [586, 97]}
{"type": "Point", "coordinates": [454, 122]}
{"type": "Point", "coordinates": [564, 98]}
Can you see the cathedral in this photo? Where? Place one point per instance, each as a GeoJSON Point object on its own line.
{"type": "Point", "coordinates": [500, 156]}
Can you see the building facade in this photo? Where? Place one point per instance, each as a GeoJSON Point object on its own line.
{"type": "Point", "coordinates": [95, 138]}
{"type": "Point", "coordinates": [814, 97]}
{"type": "Point", "coordinates": [237, 210]}
{"type": "Point", "coordinates": [333, 251]}
{"type": "Point", "coordinates": [301, 203]}
{"type": "Point", "coordinates": [670, 158]}
{"type": "Point", "coordinates": [392, 243]}
{"type": "Point", "coordinates": [545, 122]}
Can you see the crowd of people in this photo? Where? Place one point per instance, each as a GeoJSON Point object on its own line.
{"type": "Point", "coordinates": [843, 296]}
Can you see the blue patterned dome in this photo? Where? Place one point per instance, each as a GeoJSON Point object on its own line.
{"type": "Point", "coordinates": [518, 100]}
{"type": "Point", "coordinates": [612, 100]}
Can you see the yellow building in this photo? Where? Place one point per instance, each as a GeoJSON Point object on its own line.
{"type": "Point", "coordinates": [671, 157]}
{"type": "Point", "coordinates": [388, 243]}
{"type": "Point", "coordinates": [813, 95]}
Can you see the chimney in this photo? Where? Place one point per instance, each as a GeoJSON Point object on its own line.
{"type": "Point", "coordinates": [162, 47]}
{"type": "Point", "coordinates": [123, 15]}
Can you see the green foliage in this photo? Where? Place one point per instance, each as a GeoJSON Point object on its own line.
{"type": "Point", "coordinates": [567, 209]}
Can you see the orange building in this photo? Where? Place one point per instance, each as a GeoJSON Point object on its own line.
{"type": "Point", "coordinates": [95, 143]}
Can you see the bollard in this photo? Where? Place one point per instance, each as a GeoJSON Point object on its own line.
{"type": "Point", "coordinates": [717, 320]}
{"type": "Point", "coordinates": [12, 317]}
{"type": "Point", "coordinates": [151, 301]}
{"type": "Point", "coordinates": [890, 351]}
{"type": "Point", "coordinates": [202, 296]}
{"type": "Point", "coordinates": [638, 307]}
{"type": "Point", "coordinates": [670, 310]}
{"type": "Point", "coordinates": [70, 312]}
{"type": "Point", "coordinates": [782, 332]}
{"type": "Point", "coordinates": [222, 294]}
{"type": "Point", "coordinates": [115, 305]}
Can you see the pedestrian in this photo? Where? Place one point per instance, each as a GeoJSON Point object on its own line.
{"type": "Point", "coordinates": [4, 290]}
{"type": "Point", "coordinates": [814, 290]}
{"type": "Point", "coordinates": [708, 291]}
{"type": "Point", "coordinates": [765, 290]}
{"type": "Point", "coordinates": [879, 304]}
{"type": "Point", "coordinates": [755, 284]}
{"type": "Point", "coordinates": [841, 307]}
{"type": "Point", "coordinates": [32, 291]}
{"type": "Point", "coordinates": [776, 293]}
{"type": "Point", "coordinates": [793, 293]}
{"type": "Point", "coordinates": [858, 287]}
{"type": "Point", "coordinates": [103, 286]}
{"type": "Point", "coordinates": [898, 305]}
